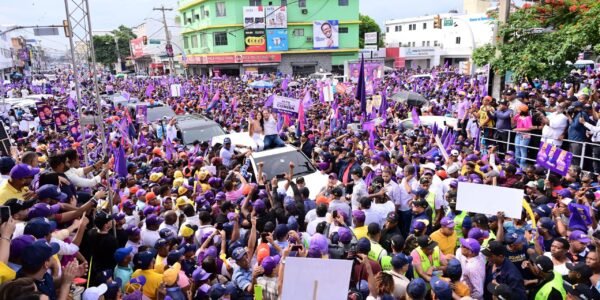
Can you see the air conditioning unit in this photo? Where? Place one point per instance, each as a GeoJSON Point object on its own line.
{"type": "Point", "coordinates": [309, 39]}
{"type": "Point", "coordinates": [305, 11]}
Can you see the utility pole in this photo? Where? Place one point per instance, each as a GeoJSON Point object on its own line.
{"type": "Point", "coordinates": [503, 14]}
{"type": "Point", "coordinates": [118, 68]}
{"type": "Point", "coordinates": [167, 36]}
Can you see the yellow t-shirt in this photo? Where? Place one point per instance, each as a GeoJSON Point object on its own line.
{"type": "Point", "coordinates": [6, 273]}
{"type": "Point", "coordinates": [360, 232]}
{"type": "Point", "coordinates": [447, 244]}
{"type": "Point", "coordinates": [483, 117]}
{"type": "Point", "coordinates": [153, 281]}
{"type": "Point", "coordinates": [7, 191]}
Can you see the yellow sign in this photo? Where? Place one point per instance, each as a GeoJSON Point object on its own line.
{"type": "Point", "coordinates": [255, 40]}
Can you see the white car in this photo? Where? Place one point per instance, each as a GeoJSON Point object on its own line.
{"type": "Point", "coordinates": [276, 163]}
{"type": "Point", "coordinates": [428, 121]}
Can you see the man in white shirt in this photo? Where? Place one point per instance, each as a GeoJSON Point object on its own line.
{"type": "Point", "coordinates": [473, 266]}
{"type": "Point", "coordinates": [78, 175]}
{"type": "Point", "coordinates": [359, 189]}
{"type": "Point", "coordinates": [321, 211]}
{"type": "Point", "coordinates": [408, 184]}
{"type": "Point", "coordinates": [554, 128]}
{"type": "Point", "coordinates": [272, 139]}
{"type": "Point", "coordinates": [149, 234]}
{"type": "Point", "coordinates": [171, 130]}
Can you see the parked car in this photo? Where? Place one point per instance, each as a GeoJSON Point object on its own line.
{"type": "Point", "coordinates": [191, 128]}
{"type": "Point", "coordinates": [427, 121]}
{"type": "Point", "coordinates": [155, 112]}
{"type": "Point", "coordinates": [276, 163]}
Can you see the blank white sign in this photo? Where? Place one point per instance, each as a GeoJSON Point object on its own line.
{"type": "Point", "coordinates": [489, 199]}
{"type": "Point", "coordinates": [315, 279]}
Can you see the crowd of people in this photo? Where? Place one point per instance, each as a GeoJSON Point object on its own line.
{"type": "Point", "coordinates": [156, 219]}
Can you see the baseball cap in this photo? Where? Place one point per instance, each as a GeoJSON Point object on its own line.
{"type": "Point", "coordinates": [425, 241]}
{"type": "Point", "coordinates": [38, 252]}
{"type": "Point", "coordinates": [581, 268]}
{"type": "Point", "coordinates": [400, 260]}
{"type": "Point", "coordinates": [17, 205]}
{"type": "Point", "coordinates": [153, 220]}
{"type": "Point", "coordinates": [6, 164]}
{"type": "Point", "coordinates": [565, 193]}
{"type": "Point", "coordinates": [420, 225]}
{"type": "Point", "coordinates": [494, 248]}
{"type": "Point", "coordinates": [417, 288]}
{"type": "Point", "coordinates": [269, 263]}
{"type": "Point", "coordinates": [478, 233]}
{"type": "Point", "coordinates": [94, 293]}
{"type": "Point", "coordinates": [239, 253]}
{"type": "Point", "coordinates": [447, 222]}
{"type": "Point", "coordinates": [102, 218]}
{"type": "Point", "coordinates": [121, 253]}
{"type": "Point", "coordinates": [39, 227]}
{"type": "Point", "coordinates": [581, 290]}
{"type": "Point", "coordinates": [51, 191]}
{"type": "Point", "coordinates": [501, 291]}
{"type": "Point", "coordinates": [471, 244]}
{"type": "Point", "coordinates": [43, 210]}
{"type": "Point", "coordinates": [21, 171]}
{"type": "Point", "coordinates": [359, 215]}
{"type": "Point", "coordinates": [200, 274]}
{"type": "Point", "coordinates": [19, 243]}
{"type": "Point", "coordinates": [227, 140]}
{"type": "Point", "coordinates": [514, 238]}
{"type": "Point", "coordinates": [453, 269]}
{"type": "Point", "coordinates": [580, 236]}
{"type": "Point", "coordinates": [454, 152]}
{"type": "Point", "coordinates": [392, 217]}
{"type": "Point", "coordinates": [344, 235]}
{"type": "Point", "coordinates": [143, 259]}
{"type": "Point", "coordinates": [175, 255]}
{"type": "Point", "coordinates": [363, 245]}
{"type": "Point", "coordinates": [441, 288]}
{"type": "Point", "coordinates": [545, 264]}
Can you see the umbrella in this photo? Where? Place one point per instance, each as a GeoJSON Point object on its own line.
{"type": "Point", "coordinates": [261, 84]}
{"type": "Point", "coordinates": [410, 98]}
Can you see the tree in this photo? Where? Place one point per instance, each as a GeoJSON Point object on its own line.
{"type": "Point", "coordinates": [105, 49]}
{"type": "Point", "coordinates": [539, 38]}
{"type": "Point", "coordinates": [367, 24]}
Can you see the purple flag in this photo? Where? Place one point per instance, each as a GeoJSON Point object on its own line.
{"type": "Point", "coordinates": [415, 117]}
{"type": "Point", "coordinates": [361, 92]}
{"type": "Point", "coordinates": [169, 151]}
{"type": "Point", "coordinates": [370, 127]}
{"type": "Point", "coordinates": [120, 162]}
{"type": "Point", "coordinates": [307, 99]}
{"type": "Point", "coordinates": [284, 84]}
{"type": "Point", "coordinates": [580, 217]}
{"type": "Point", "coordinates": [70, 104]}
{"type": "Point", "coordinates": [149, 90]}
{"type": "Point", "coordinates": [269, 101]}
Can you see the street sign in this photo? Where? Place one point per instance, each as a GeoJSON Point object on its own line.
{"type": "Point", "coordinates": [154, 42]}
{"type": "Point", "coordinates": [370, 38]}
{"type": "Point", "coordinates": [43, 31]}
{"type": "Point", "coordinates": [448, 22]}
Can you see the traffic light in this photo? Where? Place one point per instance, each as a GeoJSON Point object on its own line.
{"type": "Point", "coordinates": [437, 22]}
{"type": "Point", "coordinates": [145, 39]}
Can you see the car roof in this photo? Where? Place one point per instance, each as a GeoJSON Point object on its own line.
{"type": "Point", "coordinates": [193, 121]}
{"type": "Point", "coordinates": [243, 138]}
{"type": "Point", "coordinates": [274, 151]}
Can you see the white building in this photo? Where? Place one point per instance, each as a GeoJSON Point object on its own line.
{"type": "Point", "coordinates": [154, 57]}
{"type": "Point", "coordinates": [423, 45]}
{"type": "Point", "coordinates": [6, 60]}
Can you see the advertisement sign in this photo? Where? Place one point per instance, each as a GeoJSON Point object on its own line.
{"type": "Point", "coordinates": [45, 114]}
{"type": "Point", "coordinates": [420, 51]}
{"type": "Point", "coordinates": [61, 119]}
{"type": "Point", "coordinates": [286, 105]}
{"type": "Point", "coordinates": [276, 16]}
{"type": "Point", "coordinates": [255, 40]}
{"type": "Point", "coordinates": [137, 47]}
{"type": "Point", "coordinates": [141, 113]}
{"type": "Point", "coordinates": [277, 40]}
{"type": "Point", "coordinates": [554, 159]}
{"type": "Point", "coordinates": [373, 70]}
{"type": "Point", "coordinates": [370, 38]}
{"type": "Point", "coordinates": [326, 34]}
{"type": "Point", "coordinates": [234, 59]}
{"type": "Point", "coordinates": [254, 17]}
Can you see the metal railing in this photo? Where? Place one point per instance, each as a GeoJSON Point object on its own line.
{"type": "Point", "coordinates": [586, 159]}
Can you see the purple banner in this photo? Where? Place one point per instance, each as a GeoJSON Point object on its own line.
{"type": "Point", "coordinates": [61, 119]}
{"type": "Point", "coordinates": [554, 158]}
{"type": "Point", "coordinates": [373, 70]}
{"type": "Point", "coordinates": [45, 114]}
{"type": "Point", "coordinates": [74, 128]}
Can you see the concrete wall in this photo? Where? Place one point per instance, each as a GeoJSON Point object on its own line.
{"type": "Point", "coordinates": [323, 60]}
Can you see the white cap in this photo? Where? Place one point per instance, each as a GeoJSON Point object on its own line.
{"type": "Point", "coordinates": [453, 168]}
{"type": "Point", "coordinates": [94, 293]}
{"type": "Point", "coordinates": [566, 201]}
{"type": "Point", "coordinates": [454, 152]}
{"type": "Point", "coordinates": [430, 166]}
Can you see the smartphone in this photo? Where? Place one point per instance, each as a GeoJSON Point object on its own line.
{"type": "Point", "coordinates": [334, 214]}
{"type": "Point", "coordinates": [4, 214]}
{"type": "Point", "coordinates": [296, 248]}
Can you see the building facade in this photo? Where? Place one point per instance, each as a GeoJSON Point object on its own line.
{"type": "Point", "coordinates": [252, 36]}
{"type": "Point", "coordinates": [148, 50]}
{"type": "Point", "coordinates": [422, 45]}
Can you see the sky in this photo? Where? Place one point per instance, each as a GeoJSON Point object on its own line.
{"type": "Point", "coordinates": [109, 14]}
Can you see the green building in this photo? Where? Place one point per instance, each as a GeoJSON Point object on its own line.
{"type": "Point", "coordinates": [252, 36]}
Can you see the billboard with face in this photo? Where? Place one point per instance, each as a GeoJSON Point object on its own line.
{"type": "Point", "coordinates": [373, 70]}
{"type": "Point", "coordinates": [326, 34]}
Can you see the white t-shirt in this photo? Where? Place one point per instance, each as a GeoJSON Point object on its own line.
{"type": "Point", "coordinates": [556, 127]}
{"type": "Point", "coordinates": [270, 126]}
{"type": "Point", "coordinates": [226, 155]}
{"type": "Point", "coordinates": [149, 237]}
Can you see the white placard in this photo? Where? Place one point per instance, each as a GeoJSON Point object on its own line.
{"type": "Point", "coordinates": [489, 199]}
{"type": "Point", "coordinates": [175, 90]}
{"type": "Point", "coordinates": [314, 278]}
{"type": "Point", "coordinates": [286, 104]}
{"type": "Point", "coordinates": [370, 38]}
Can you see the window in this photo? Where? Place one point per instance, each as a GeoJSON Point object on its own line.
{"type": "Point", "coordinates": [414, 26]}
{"type": "Point", "coordinates": [202, 12]}
{"type": "Point", "coordinates": [343, 2]}
{"type": "Point", "coordinates": [387, 29]}
{"type": "Point", "coordinates": [255, 3]}
{"type": "Point", "coordinates": [220, 38]}
{"type": "Point", "coordinates": [398, 28]}
{"type": "Point", "coordinates": [203, 42]}
{"type": "Point", "coordinates": [427, 43]}
{"type": "Point", "coordinates": [435, 43]}
{"type": "Point", "coordinates": [424, 25]}
{"type": "Point", "coordinates": [343, 30]}
{"type": "Point", "coordinates": [301, 3]}
{"type": "Point", "coordinates": [186, 42]}
{"type": "Point", "coordinates": [184, 19]}
{"type": "Point", "coordinates": [194, 41]}
{"type": "Point", "coordinates": [220, 7]}
{"type": "Point", "coordinates": [298, 32]}
{"type": "Point", "coordinates": [283, 2]}
{"type": "Point", "coordinates": [458, 40]}
{"type": "Point", "coordinates": [413, 44]}
{"type": "Point", "coordinates": [422, 43]}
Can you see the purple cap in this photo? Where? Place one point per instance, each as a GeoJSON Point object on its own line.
{"type": "Point", "coordinates": [43, 210]}
{"type": "Point", "coordinates": [359, 215]}
{"type": "Point", "coordinates": [259, 205]}
{"type": "Point", "coordinates": [269, 263]}
{"type": "Point", "coordinates": [128, 205]}
{"type": "Point", "coordinates": [472, 157]}
{"type": "Point", "coordinates": [447, 222]}
{"type": "Point", "coordinates": [565, 193]}
{"type": "Point", "coordinates": [133, 231]}
{"type": "Point", "coordinates": [220, 196]}
{"type": "Point", "coordinates": [579, 236]}
{"type": "Point", "coordinates": [454, 183]}
{"type": "Point", "coordinates": [262, 194]}
{"type": "Point", "coordinates": [344, 235]}
{"type": "Point", "coordinates": [140, 193]}
{"type": "Point", "coordinates": [21, 171]}
{"type": "Point", "coordinates": [471, 244]}
{"type": "Point", "coordinates": [19, 243]}
{"type": "Point", "coordinates": [50, 191]}
{"type": "Point", "coordinates": [478, 233]}
{"type": "Point", "coordinates": [200, 275]}
{"type": "Point", "coordinates": [319, 241]}
{"type": "Point", "coordinates": [153, 220]}
{"type": "Point", "coordinates": [150, 210]}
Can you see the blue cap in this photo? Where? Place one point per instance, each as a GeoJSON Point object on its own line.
{"type": "Point", "coordinates": [6, 164]}
{"type": "Point", "coordinates": [39, 227]}
{"type": "Point", "coordinates": [121, 253]}
{"type": "Point", "coordinates": [441, 288]}
{"type": "Point", "coordinates": [160, 243]}
{"type": "Point", "coordinates": [226, 140]}
{"type": "Point", "coordinates": [105, 275]}
{"type": "Point", "coordinates": [143, 259]}
{"type": "Point", "coordinates": [454, 269]}
{"type": "Point", "coordinates": [219, 290]}
{"type": "Point", "coordinates": [417, 288]}
{"type": "Point", "coordinates": [400, 260]}
{"type": "Point", "coordinates": [174, 256]}
{"type": "Point", "coordinates": [38, 252]}
{"type": "Point", "coordinates": [239, 253]}
{"type": "Point", "coordinates": [167, 234]}
{"type": "Point", "coordinates": [50, 191]}
{"type": "Point", "coordinates": [363, 245]}
{"type": "Point", "coordinates": [113, 288]}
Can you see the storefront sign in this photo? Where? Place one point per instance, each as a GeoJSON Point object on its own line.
{"type": "Point", "coordinates": [254, 17]}
{"type": "Point", "coordinates": [276, 16]}
{"type": "Point", "coordinates": [277, 39]}
{"type": "Point", "coordinates": [420, 51]}
{"type": "Point", "coordinates": [255, 40]}
{"type": "Point", "coordinates": [137, 46]}
{"type": "Point", "coordinates": [233, 59]}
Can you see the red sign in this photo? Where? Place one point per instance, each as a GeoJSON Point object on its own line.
{"type": "Point", "coordinates": [137, 47]}
{"type": "Point", "coordinates": [399, 62]}
{"type": "Point", "coordinates": [233, 59]}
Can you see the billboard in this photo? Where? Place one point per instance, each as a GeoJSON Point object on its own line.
{"type": "Point", "coordinates": [254, 17]}
{"type": "Point", "coordinates": [276, 16]}
{"type": "Point", "coordinates": [370, 38]}
{"type": "Point", "coordinates": [325, 34]}
{"type": "Point", "coordinates": [137, 47]}
{"type": "Point", "coordinates": [255, 40]}
{"type": "Point", "coordinates": [277, 40]}
{"type": "Point", "coordinates": [373, 70]}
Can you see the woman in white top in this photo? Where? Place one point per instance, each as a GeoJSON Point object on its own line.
{"type": "Point", "coordinates": [256, 130]}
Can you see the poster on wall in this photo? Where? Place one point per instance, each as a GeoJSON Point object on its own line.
{"type": "Point", "coordinates": [373, 70]}
{"type": "Point", "coordinates": [276, 16]}
{"type": "Point", "coordinates": [254, 17]}
{"type": "Point", "coordinates": [325, 34]}
{"type": "Point", "coordinates": [255, 40]}
{"type": "Point", "coordinates": [277, 40]}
